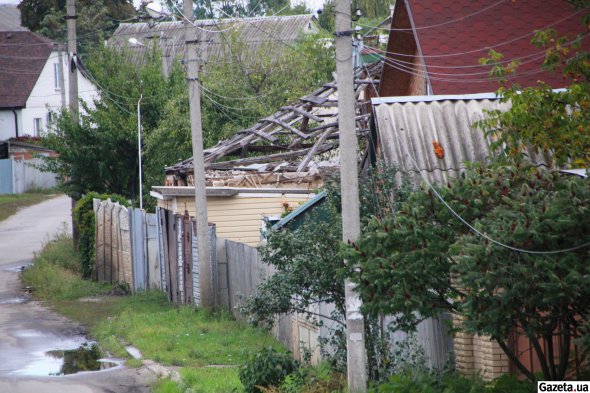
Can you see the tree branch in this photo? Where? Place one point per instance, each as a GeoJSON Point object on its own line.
{"type": "Point", "coordinates": [516, 360]}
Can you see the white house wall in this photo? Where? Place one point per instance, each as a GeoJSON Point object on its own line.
{"type": "Point", "coordinates": [45, 97]}
{"type": "Point", "coordinates": [7, 129]}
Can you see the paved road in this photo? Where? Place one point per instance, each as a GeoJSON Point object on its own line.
{"type": "Point", "coordinates": [28, 330]}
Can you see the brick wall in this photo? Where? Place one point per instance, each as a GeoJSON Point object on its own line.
{"type": "Point", "coordinates": [476, 354]}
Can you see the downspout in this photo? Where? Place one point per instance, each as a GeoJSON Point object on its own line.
{"type": "Point", "coordinates": [15, 122]}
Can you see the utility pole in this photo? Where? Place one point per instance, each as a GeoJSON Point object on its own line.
{"type": "Point", "coordinates": [73, 89]}
{"type": "Point", "coordinates": [72, 54]}
{"type": "Point", "coordinates": [60, 69]}
{"type": "Point", "coordinates": [194, 94]}
{"type": "Point", "coordinates": [355, 340]}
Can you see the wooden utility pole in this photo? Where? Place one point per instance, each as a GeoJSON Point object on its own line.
{"type": "Point", "coordinates": [355, 339]}
{"type": "Point", "coordinates": [73, 88]}
{"type": "Point", "coordinates": [194, 94]}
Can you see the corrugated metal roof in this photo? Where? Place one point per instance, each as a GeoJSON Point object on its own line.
{"type": "Point", "coordinates": [407, 132]}
{"type": "Point", "coordinates": [252, 32]}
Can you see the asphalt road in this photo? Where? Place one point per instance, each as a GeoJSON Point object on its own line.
{"type": "Point", "coordinates": [28, 329]}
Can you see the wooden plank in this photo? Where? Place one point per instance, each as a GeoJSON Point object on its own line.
{"type": "Point", "coordinates": [261, 134]}
{"type": "Point", "coordinates": [286, 126]}
{"type": "Point", "coordinates": [314, 99]}
{"type": "Point", "coordinates": [313, 151]}
{"type": "Point", "coordinates": [303, 112]}
{"type": "Point", "coordinates": [187, 261]}
{"type": "Point", "coordinates": [172, 256]}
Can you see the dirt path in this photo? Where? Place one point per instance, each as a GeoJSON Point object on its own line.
{"type": "Point", "coordinates": [28, 330]}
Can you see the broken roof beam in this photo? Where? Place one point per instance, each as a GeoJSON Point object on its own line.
{"type": "Point", "coordinates": [262, 134]}
{"type": "Point", "coordinates": [227, 165]}
{"type": "Point", "coordinates": [303, 113]}
{"type": "Point", "coordinates": [313, 151]}
{"type": "Point", "coordinates": [286, 126]}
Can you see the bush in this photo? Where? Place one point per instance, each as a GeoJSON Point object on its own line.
{"type": "Point", "coordinates": [84, 217]}
{"type": "Point", "coordinates": [268, 367]}
{"type": "Point", "coordinates": [421, 380]}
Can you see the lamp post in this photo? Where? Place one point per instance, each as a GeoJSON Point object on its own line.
{"type": "Point", "coordinates": [139, 148]}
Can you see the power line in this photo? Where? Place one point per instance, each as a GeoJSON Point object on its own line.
{"type": "Point", "coordinates": [470, 226]}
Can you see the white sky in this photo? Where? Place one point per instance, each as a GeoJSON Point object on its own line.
{"type": "Point", "coordinates": [313, 5]}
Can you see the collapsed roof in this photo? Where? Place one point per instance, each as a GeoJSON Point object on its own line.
{"type": "Point", "coordinates": [295, 145]}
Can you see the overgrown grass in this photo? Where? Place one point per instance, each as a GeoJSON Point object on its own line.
{"type": "Point", "coordinates": [55, 273]}
{"type": "Point", "coordinates": [11, 203]}
{"type": "Point", "coordinates": [182, 335]}
{"type": "Point", "coordinates": [169, 334]}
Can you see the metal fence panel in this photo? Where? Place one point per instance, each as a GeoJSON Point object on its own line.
{"type": "Point", "coordinates": [138, 249]}
{"type": "Point", "coordinates": [162, 246]}
{"type": "Point", "coordinates": [6, 176]}
{"type": "Point", "coordinates": [152, 251]}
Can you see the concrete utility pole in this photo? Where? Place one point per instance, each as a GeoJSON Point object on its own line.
{"type": "Point", "coordinates": [72, 55]}
{"type": "Point", "coordinates": [355, 340]}
{"type": "Point", "coordinates": [73, 87]}
{"type": "Point", "coordinates": [194, 94]}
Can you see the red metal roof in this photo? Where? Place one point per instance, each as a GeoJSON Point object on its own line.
{"type": "Point", "coordinates": [23, 55]}
{"type": "Point", "coordinates": [454, 35]}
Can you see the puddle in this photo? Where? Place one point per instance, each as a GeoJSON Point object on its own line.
{"type": "Point", "coordinates": [14, 300]}
{"type": "Point", "coordinates": [87, 357]}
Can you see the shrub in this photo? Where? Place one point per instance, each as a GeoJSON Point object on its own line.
{"type": "Point", "coordinates": [268, 367]}
{"type": "Point", "coordinates": [84, 217]}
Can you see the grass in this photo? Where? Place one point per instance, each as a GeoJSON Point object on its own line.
{"type": "Point", "coordinates": [173, 335]}
{"type": "Point", "coordinates": [203, 380]}
{"type": "Point", "coordinates": [11, 203]}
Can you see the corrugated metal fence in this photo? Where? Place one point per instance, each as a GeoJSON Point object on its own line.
{"type": "Point", "coordinates": [159, 251]}
{"type": "Point", "coordinates": [19, 176]}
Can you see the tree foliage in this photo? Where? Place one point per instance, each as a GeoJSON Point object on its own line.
{"type": "Point", "coordinates": [96, 19]}
{"type": "Point", "coordinates": [373, 12]}
{"type": "Point", "coordinates": [551, 122]}
{"type": "Point", "coordinates": [101, 154]}
{"type": "Point", "coordinates": [211, 9]}
{"type": "Point", "coordinates": [423, 260]}
{"type": "Point", "coordinates": [309, 268]}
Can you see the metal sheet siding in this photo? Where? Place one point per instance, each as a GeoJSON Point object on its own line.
{"type": "Point", "coordinates": [407, 132]}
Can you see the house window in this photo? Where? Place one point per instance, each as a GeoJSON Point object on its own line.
{"type": "Point", "coordinates": [56, 78]}
{"type": "Point", "coordinates": [37, 126]}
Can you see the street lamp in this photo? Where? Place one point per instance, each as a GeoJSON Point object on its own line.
{"type": "Point", "coordinates": [139, 146]}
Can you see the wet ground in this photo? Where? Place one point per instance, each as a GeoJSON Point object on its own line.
{"type": "Point", "coordinates": [39, 349]}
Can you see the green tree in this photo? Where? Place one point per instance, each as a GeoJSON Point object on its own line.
{"type": "Point", "coordinates": [101, 154]}
{"type": "Point", "coordinates": [96, 19]}
{"type": "Point", "coordinates": [310, 270]}
{"type": "Point", "coordinates": [532, 277]}
{"type": "Point", "coordinates": [541, 119]}
{"type": "Point", "coordinates": [373, 12]}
